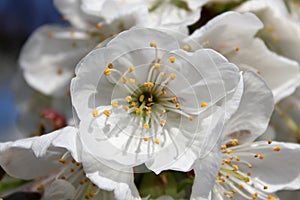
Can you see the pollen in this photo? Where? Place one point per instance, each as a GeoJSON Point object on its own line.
{"type": "Point", "coordinates": [128, 98]}
{"type": "Point", "coordinates": [172, 76]}
{"type": "Point", "coordinates": [145, 139]}
{"type": "Point", "coordinates": [223, 147]}
{"type": "Point", "coordinates": [172, 59]}
{"type": "Point", "coordinates": [106, 113]}
{"type": "Point", "coordinates": [265, 187]}
{"type": "Point", "coordinates": [132, 81]}
{"type": "Point", "coordinates": [146, 126]}
{"type": "Point", "coordinates": [235, 167]}
{"type": "Point", "coordinates": [131, 68]}
{"type": "Point", "coordinates": [270, 141]}
{"type": "Point", "coordinates": [107, 72]}
{"type": "Point", "coordinates": [153, 44]}
{"type": "Point", "coordinates": [164, 92]}
{"type": "Point", "coordinates": [163, 74]}
{"type": "Point", "coordinates": [148, 84]}
{"type": "Point", "coordinates": [110, 66]}
{"type": "Point", "coordinates": [141, 98]}
{"type": "Point", "coordinates": [234, 141]}
{"type": "Point", "coordinates": [186, 47]}
{"type": "Point", "coordinates": [204, 104]}
{"type": "Point", "coordinates": [95, 113]}
{"type": "Point", "coordinates": [156, 66]}
{"type": "Point", "coordinates": [63, 161]}
{"type": "Point", "coordinates": [59, 71]}
{"type": "Point", "coordinates": [270, 197]}
{"type": "Point", "coordinates": [191, 118]}
{"type": "Point", "coordinates": [229, 151]}
{"type": "Point", "coordinates": [261, 157]}
{"type": "Point", "coordinates": [258, 72]}
{"type": "Point", "coordinates": [225, 192]}
{"type": "Point", "coordinates": [277, 148]}
{"type": "Point", "coordinates": [177, 105]}
{"type": "Point", "coordinates": [40, 187]}
{"type": "Point", "coordinates": [250, 166]}
{"type": "Point", "coordinates": [126, 108]}
{"type": "Point", "coordinates": [99, 26]}
{"type": "Point", "coordinates": [124, 80]}
{"type": "Point", "coordinates": [237, 49]}
{"type": "Point", "coordinates": [114, 103]}
{"type": "Point", "coordinates": [133, 103]}
{"type": "Point", "coordinates": [50, 34]}
{"type": "Point", "coordinates": [174, 99]}
{"type": "Point", "coordinates": [156, 141]}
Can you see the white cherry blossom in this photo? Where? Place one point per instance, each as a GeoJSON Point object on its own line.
{"type": "Point", "coordinates": [233, 35]}
{"type": "Point", "coordinates": [51, 53]}
{"type": "Point", "coordinates": [141, 99]}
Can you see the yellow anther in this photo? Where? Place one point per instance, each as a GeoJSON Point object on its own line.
{"type": "Point", "coordinates": [153, 44]}
{"type": "Point", "coordinates": [256, 155]}
{"type": "Point", "coordinates": [172, 76]}
{"type": "Point", "coordinates": [250, 166]}
{"type": "Point", "coordinates": [40, 188]}
{"type": "Point", "coordinates": [149, 84]}
{"type": "Point", "coordinates": [163, 74]}
{"type": "Point", "coordinates": [225, 192]}
{"type": "Point", "coordinates": [204, 104]}
{"type": "Point", "coordinates": [150, 99]}
{"type": "Point", "coordinates": [229, 151]}
{"type": "Point", "coordinates": [270, 29]}
{"type": "Point", "coordinates": [223, 179]}
{"type": "Point", "coordinates": [237, 49]}
{"type": "Point", "coordinates": [258, 72]}
{"type": "Point", "coordinates": [234, 141]}
{"type": "Point", "coordinates": [64, 17]}
{"type": "Point", "coordinates": [107, 72]}
{"type": "Point", "coordinates": [265, 187]}
{"type": "Point", "coordinates": [124, 80]}
{"type": "Point", "coordinates": [91, 193]}
{"type": "Point", "coordinates": [148, 108]}
{"type": "Point", "coordinates": [164, 92]}
{"type": "Point", "coordinates": [206, 43]}
{"type": "Point", "coordinates": [59, 71]}
{"type": "Point", "coordinates": [177, 105]}
{"type": "Point", "coordinates": [172, 59]}
{"type": "Point", "coordinates": [241, 186]}
{"type": "Point", "coordinates": [50, 34]}
{"type": "Point", "coordinates": [231, 196]}
{"type": "Point", "coordinates": [131, 68]}
{"type": "Point", "coordinates": [156, 141]}
{"type": "Point", "coordinates": [95, 113]}
{"type": "Point", "coordinates": [231, 157]}
{"type": "Point", "coordinates": [237, 159]}
{"type": "Point", "coordinates": [277, 148]}
{"type": "Point", "coordinates": [146, 126]}
{"type": "Point", "coordinates": [133, 103]}
{"type": "Point", "coordinates": [234, 191]}
{"type": "Point", "coordinates": [99, 26]}
{"type": "Point", "coordinates": [270, 141]}
{"type": "Point", "coordinates": [110, 66]}
{"type": "Point", "coordinates": [132, 81]}
{"type": "Point", "coordinates": [156, 66]}
{"type": "Point", "coordinates": [114, 103]}
{"type": "Point", "coordinates": [128, 98]}
{"type": "Point", "coordinates": [186, 47]}
{"type": "Point", "coordinates": [63, 161]}
{"type": "Point", "coordinates": [145, 139]}
{"type": "Point", "coordinates": [191, 118]}
{"type": "Point", "coordinates": [162, 122]}
{"type": "Point", "coordinates": [126, 108]}
{"type": "Point", "coordinates": [174, 99]}
{"type": "Point", "coordinates": [106, 113]}
{"type": "Point", "coordinates": [261, 157]}
{"type": "Point", "coordinates": [141, 98]}
{"type": "Point", "coordinates": [270, 197]}
{"type": "Point", "coordinates": [223, 147]}
{"type": "Point", "coordinates": [248, 174]}
{"type": "Point", "coordinates": [235, 167]}
{"type": "Point", "coordinates": [136, 109]}
{"type": "Point", "coordinates": [148, 112]}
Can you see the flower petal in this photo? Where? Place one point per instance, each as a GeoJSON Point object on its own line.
{"type": "Point", "coordinates": [254, 111]}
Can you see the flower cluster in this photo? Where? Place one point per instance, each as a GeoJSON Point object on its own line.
{"type": "Point", "coordinates": [159, 100]}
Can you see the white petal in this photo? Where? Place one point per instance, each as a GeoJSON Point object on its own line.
{"type": "Point", "coordinates": [278, 169]}
{"type": "Point", "coordinates": [226, 32]}
{"type": "Point", "coordinates": [48, 62]}
{"type": "Point", "coordinates": [33, 154]}
{"type": "Point", "coordinates": [118, 181]}
{"type": "Point", "coordinates": [254, 111]}
{"type": "Point", "coordinates": [59, 190]}
{"type": "Point", "coordinates": [281, 74]}
{"type": "Point", "coordinates": [205, 172]}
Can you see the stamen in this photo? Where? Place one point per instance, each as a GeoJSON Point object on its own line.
{"type": "Point", "coordinates": [270, 141]}
{"type": "Point", "coordinates": [156, 66]}
{"type": "Point", "coordinates": [156, 141]}
{"type": "Point", "coordinates": [145, 139]}
{"type": "Point", "coordinates": [106, 113]}
{"type": "Point", "coordinates": [172, 76]}
{"type": "Point", "coordinates": [131, 68]}
{"type": "Point", "coordinates": [204, 104]}
{"type": "Point", "coordinates": [107, 72]}
{"type": "Point", "coordinates": [95, 113]}
{"type": "Point", "coordinates": [186, 47]}
{"type": "Point", "coordinates": [132, 81]}
{"type": "Point", "coordinates": [128, 99]}
{"type": "Point", "coordinates": [277, 148]}
{"type": "Point", "coordinates": [99, 26]}
{"type": "Point", "coordinates": [115, 103]}
{"type": "Point", "coordinates": [172, 59]}
{"type": "Point", "coordinates": [110, 66]}
{"type": "Point", "coordinates": [153, 44]}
